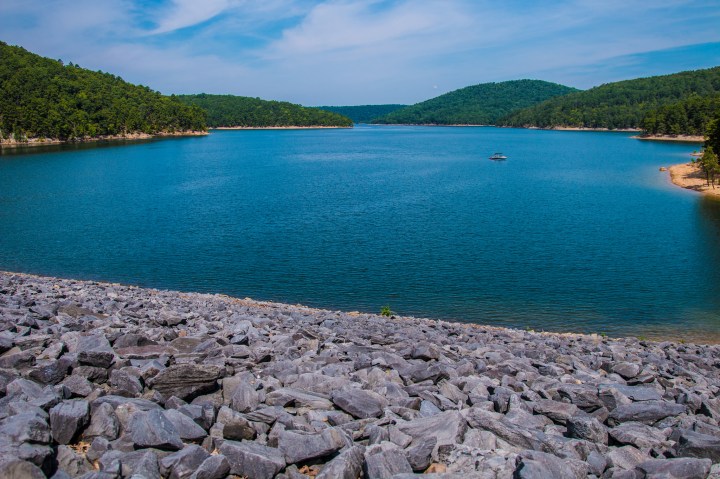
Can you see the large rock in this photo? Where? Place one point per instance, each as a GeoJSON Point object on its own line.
{"type": "Point", "coordinates": [680, 468]}
{"type": "Point", "coordinates": [447, 427]}
{"type": "Point", "coordinates": [626, 457]}
{"type": "Point", "coordinates": [637, 434]}
{"type": "Point", "coordinates": [251, 459]}
{"type": "Point", "coordinates": [360, 403]}
{"type": "Point", "coordinates": [299, 446]}
{"type": "Point", "coordinates": [245, 398]}
{"type": "Point", "coordinates": [384, 464]}
{"type": "Point", "coordinates": [18, 469]}
{"type": "Point", "coordinates": [187, 381]}
{"type": "Point", "coordinates": [153, 429]}
{"type": "Point", "coordinates": [419, 454]}
{"type": "Point", "coordinates": [235, 425]}
{"type": "Point", "coordinates": [292, 397]}
{"type": "Point", "coordinates": [185, 426]}
{"type": "Point", "coordinates": [648, 412]}
{"type": "Point", "coordinates": [68, 418]}
{"type": "Point", "coordinates": [346, 465]}
{"type": "Point", "coordinates": [214, 467]}
{"type": "Point", "coordinates": [24, 428]}
{"type": "Point", "coordinates": [588, 428]}
{"type": "Point", "coordinates": [537, 465]}
{"type": "Point", "coordinates": [557, 411]}
{"type": "Point", "coordinates": [103, 423]}
{"type": "Point", "coordinates": [182, 464]}
{"type": "Point", "coordinates": [695, 444]}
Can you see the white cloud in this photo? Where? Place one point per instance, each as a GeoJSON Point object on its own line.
{"type": "Point", "coordinates": [186, 13]}
{"type": "Point", "coordinates": [351, 51]}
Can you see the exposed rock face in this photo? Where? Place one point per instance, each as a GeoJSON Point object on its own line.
{"type": "Point", "coordinates": [156, 384]}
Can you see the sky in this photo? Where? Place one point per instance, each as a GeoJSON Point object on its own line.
{"type": "Point", "coordinates": [353, 52]}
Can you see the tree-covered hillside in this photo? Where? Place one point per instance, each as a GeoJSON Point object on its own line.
{"type": "Point", "coordinates": [690, 116]}
{"type": "Point", "coordinates": [363, 113]}
{"type": "Point", "coordinates": [231, 110]}
{"type": "Point", "coordinates": [480, 104]}
{"type": "Point", "coordinates": [623, 104]}
{"type": "Point", "coordinates": [40, 97]}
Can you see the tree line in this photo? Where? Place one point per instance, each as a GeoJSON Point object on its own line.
{"type": "Point", "coordinates": [231, 110]}
{"type": "Point", "coordinates": [482, 104]}
{"type": "Point", "coordinates": [675, 104]}
{"type": "Point", "coordinates": [40, 97]}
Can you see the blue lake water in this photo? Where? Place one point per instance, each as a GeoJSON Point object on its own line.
{"type": "Point", "coordinates": [576, 231]}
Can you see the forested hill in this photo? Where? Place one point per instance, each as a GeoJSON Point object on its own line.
{"type": "Point", "coordinates": [481, 104]}
{"type": "Point", "coordinates": [241, 111]}
{"type": "Point", "coordinates": [623, 104]}
{"type": "Point", "coordinates": [363, 113]}
{"type": "Point", "coordinates": [40, 97]}
{"type": "Point", "coordinates": [690, 116]}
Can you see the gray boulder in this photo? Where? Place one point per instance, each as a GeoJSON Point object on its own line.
{"type": "Point", "coordinates": [540, 465]}
{"type": "Point", "coordinates": [68, 418]}
{"type": "Point", "coordinates": [680, 468]}
{"type": "Point", "coordinates": [647, 412]}
{"type": "Point", "coordinates": [299, 446]}
{"type": "Point", "coordinates": [587, 428]}
{"type": "Point", "coordinates": [346, 465]}
{"type": "Point", "coordinates": [384, 464]}
{"type": "Point", "coordinates": [182, 464]}
{"type": "Point", "coordinates": [695, 444]}
{"type": "Point", "coordinates": [185, 426]}
{"type": "Point", "coordinates": [187, 381]}
{"type": "Point", "coordinates": [235, 425]}
{"type": "Point", "coordinates": [19, 469]}
{"type": "Point", "coordinates": [153, 429]}
{"type": "Point", "coordinates": [360, 403]}
{"type": "Point", "coordinates": [251, 459]}
{"type": "Point", "coordinates": [214, 467]}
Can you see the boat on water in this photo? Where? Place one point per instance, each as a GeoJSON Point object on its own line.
{"type": "Point", "coordinates": [498, 157]}
{"type": "Point", "coordinates": [696, 154]}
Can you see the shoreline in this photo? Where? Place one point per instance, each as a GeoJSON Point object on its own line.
{"type": "Point", "coordinates": [319, 127]}
{"type": "Point", "coordinates": [649, 336]}
{"type": "Point", "coordinates": [678, 138]}
{"type": "Point", "coordinates": [36, 141]}
{"type": "Point", "coordinates": [98, 376]}
{"type": "Point", "coordinates": [690, 177]}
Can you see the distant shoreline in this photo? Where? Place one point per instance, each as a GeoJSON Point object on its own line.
{"type": "Point", "coordinates": [680, 138]}
{"type": "Point", "coordinates": [31, 142]}
{"type": "Point", "coordinates": [278, 127]}
{"type": "Point", "coordinates": [691, 177]}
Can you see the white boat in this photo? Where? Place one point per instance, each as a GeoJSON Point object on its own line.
{"type": "Point", "coordinates": [498, 157]}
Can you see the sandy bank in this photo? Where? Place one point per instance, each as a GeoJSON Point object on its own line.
{"type": "Point", "coordinates": [278, 127]}
{"type": "Point", "coordinates": [683, 138]}
{"type": "Point", "coordinates": [691, 177]}
{"type": "Point", "coordinates": [8, 143]}
{"type": "Point", "coordinates": [579, 128]}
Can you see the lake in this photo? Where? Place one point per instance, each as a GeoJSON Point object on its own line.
{"type": "Point", "coordinates": [576, 231]}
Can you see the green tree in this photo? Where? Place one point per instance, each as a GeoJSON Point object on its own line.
{"type": "Point", "coordinates": [710, 166]}
{"type": "Point", "coordinates": [712, 134]}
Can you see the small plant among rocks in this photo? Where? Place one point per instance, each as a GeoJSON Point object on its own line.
{"type": "Point", "coordinates": [386, 311]}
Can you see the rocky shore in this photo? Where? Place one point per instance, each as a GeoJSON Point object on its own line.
{"type": "Point", "coordinates": [107, 381]}
{"type": "Point", "coordinates": [12, 143]}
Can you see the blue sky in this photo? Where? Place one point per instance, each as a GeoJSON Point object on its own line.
{"type": "Point", "coordinates": [348, 52]}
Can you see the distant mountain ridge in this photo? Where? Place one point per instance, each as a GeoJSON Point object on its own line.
{"type": "Point", "coordinates": [242, 111]}
{"type": "Point", "coordinates": [482, 104]}
{"type": "Point", "coordinates": [363, 113]}
{"type": "Point", "coordinates": [623, 104]}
